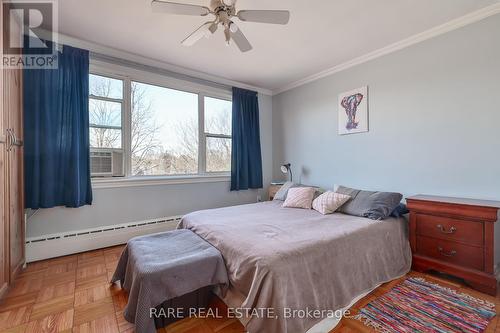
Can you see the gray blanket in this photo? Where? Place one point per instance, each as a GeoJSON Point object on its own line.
{"type": "Point", "coordinates": [297, 259]}
{"type": "Point", "coordinates": [162, 266]}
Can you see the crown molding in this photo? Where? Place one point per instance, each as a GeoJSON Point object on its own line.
{"type": "Point", "coordinates": [124, 55]}
{"type": "Point", "coordinates": [415, 39]}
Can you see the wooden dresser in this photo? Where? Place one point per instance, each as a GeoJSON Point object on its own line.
{"type": "Point", "coordinates": [455, 236]}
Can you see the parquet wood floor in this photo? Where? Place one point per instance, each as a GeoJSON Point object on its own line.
{"type": "Point", "coordinates": [72, 294]}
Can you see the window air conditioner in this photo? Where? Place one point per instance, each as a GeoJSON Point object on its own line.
{"type": "Point", "coordinates": [106, 163]}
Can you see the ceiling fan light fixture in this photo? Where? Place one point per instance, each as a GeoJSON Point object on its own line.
{"type": "Point", "coordinates": [233, 27]}
{"type": "Point", "coordinates": [228, 3]}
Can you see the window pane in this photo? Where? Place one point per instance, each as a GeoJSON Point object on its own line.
{"type": "Point", "coordinates": [105, 138]}
{"type": "Point", "coordinates": [164, 131]}
{"type": "Point", "coordinates": [105, 87]}
{"type": "Point", "coordinates": [104, 113]}
{"type": "Point", "coordinates": [217, 116]}
{"type": "Point", "coordinates": [218, 154]}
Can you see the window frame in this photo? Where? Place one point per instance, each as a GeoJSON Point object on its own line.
{"type": "Point", "coordinates": [120, 101]}
{"type": "Point", "coordinates": [204, 135]}
{"type": "Point", "coordinates": [129, 75]}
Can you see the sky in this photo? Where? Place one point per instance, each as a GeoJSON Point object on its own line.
{"type": "Point", "coordinates": [170, 107]}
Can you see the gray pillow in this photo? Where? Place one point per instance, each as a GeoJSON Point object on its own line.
{"type": "Point", "coordinates": [319, 191]}
{"type": "Point", "coordinates": [373, 205]}
{"type": "Point", "coordinates": [283, 191]}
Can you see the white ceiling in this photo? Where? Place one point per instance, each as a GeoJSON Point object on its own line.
{"type": "Point", "coordinates": [321, 33]}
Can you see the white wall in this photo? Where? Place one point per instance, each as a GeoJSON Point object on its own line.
{"type": "Point", "coordinates": [129, 204]}
{"type": "Point", "coordinates": [434, 114]}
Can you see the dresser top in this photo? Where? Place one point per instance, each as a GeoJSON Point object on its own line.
{"type": "Point", "coordinates": [459, 201]}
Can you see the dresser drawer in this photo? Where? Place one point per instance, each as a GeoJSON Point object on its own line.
{"type": "Point", "coordinates": [448, 251]}
{"type": "Point", "coordinates": [468, 232]}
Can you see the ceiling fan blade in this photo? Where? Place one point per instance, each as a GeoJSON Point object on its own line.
{"type": "Point", "coordinates": [241, 41]}
{"type": "Point", "coordinates": [265, 16]}
{"type": "Point", "coordinates": [178, 8]}
{"type": "Point", "coordinates": [204, 31]}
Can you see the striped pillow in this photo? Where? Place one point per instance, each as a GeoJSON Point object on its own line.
{"type": "Point", "coordinates": [329, 202]}
{"type": "Point", "coordinates": [299, 197]}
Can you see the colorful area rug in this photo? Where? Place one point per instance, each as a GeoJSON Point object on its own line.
{"type": "Point", "coordinates": [417, 305]}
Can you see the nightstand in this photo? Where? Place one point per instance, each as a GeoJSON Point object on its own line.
{"type": "Point", "coordinates": [454, 236]}
{"type": "Point", "coordinates": [273, 188]}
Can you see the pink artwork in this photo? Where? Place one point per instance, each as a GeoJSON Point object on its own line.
{"type": "Point", "coordinates": [353, 111]}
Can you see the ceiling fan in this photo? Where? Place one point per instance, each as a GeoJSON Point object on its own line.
{"type": "Point", "coordinates": [224, 12]}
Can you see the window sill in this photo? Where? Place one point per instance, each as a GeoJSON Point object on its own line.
{"type": "Point", "coordinates": [98, 183]}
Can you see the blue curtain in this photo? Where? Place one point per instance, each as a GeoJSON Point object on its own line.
{"type": "Point", "coordinates": [246, 160]}
{"type": "Point", "coordinates": [56, 132]}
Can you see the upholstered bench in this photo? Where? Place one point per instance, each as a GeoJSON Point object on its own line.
{"type": "Point", "coordinates": [169, 269]}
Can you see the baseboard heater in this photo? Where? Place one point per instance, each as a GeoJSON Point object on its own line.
{"type": "Point", "coordinates": [57, 245]}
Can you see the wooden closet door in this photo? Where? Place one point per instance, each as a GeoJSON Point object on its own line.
{"type": "Point", "coordinates": [4, 239]}
{"type": "Point", "coordinates": [15, 172]}
{"type": "Point", "coordinates": [13, 108]}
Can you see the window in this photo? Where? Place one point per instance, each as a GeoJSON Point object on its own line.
{"type": "Point", "coordinates": [164, 131]}
{"type": "Point", "coordinates": [218, 134]}
{"type": "Point", "coordinates": [157, 129]}
{"type": "Point", "coordinates": [105, 112]}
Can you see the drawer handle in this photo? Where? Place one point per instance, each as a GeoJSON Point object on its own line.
{"type": "Point", "coordinates": [449, 254]}
{"type": "Point", "coordinates": [451, 231]}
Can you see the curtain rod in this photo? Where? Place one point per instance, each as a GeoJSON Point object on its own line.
{"type": "Point", "coordinates": [156, 70]}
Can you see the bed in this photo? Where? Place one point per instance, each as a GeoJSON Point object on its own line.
{"type": "Point", "coordinates": [287, 259]}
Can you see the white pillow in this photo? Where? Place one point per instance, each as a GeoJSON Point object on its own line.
{"type": "Point", "coordinates": [329, 202]}
{"type": "Point", "coordinates": [299, 197]}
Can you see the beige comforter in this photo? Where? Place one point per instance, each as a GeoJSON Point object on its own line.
{"type": "Point", "coordinates": [286, 259]}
